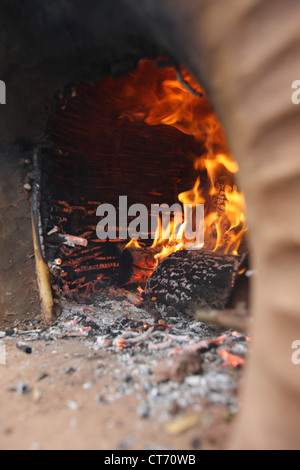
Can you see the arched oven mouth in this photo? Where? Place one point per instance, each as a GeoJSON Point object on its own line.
{"type": "Point", "coordinates": [138, 186]}
{"type": "Point", "coordinates": [124, 227]}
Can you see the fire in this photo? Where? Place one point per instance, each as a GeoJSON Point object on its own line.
{"type": "Point", "coordinates": [168, 102]}
{"type": "Point", "coordinates": [231, 359]}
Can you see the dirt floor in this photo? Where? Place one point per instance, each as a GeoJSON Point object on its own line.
{"type": "Point", "coordinates": [55, 399]}
{"type": "Point", "coordinates": [104, 378]}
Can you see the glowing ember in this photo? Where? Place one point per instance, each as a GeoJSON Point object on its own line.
{"type": "Point", "coordinates": [231, 359]}
{"type": "Point", "coordinates": [169, 103]}
{"type": "Point", "coordinates": [202, 346]}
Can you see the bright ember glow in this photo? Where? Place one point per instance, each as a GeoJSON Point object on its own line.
{"type": "Point", "coordinates": [231, 359]}
{"type": "Point", "coordinates": [168, 102]}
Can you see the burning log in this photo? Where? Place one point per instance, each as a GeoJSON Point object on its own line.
{"type": "Point", "coordinates": [137, 264]}
{"type": "Point", "coordinates": [190, 280]}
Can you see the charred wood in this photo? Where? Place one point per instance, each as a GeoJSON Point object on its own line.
{"type": "Point", "coordinates": [137, 264]}
{"type": "Point", "coordinates": [190, 280]}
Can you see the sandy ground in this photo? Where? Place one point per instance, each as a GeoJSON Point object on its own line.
{"type": "Point", "coordinates": [62, 409]}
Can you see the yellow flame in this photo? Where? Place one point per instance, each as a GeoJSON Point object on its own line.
{"type": "Point", "coordinates": [169, 103]}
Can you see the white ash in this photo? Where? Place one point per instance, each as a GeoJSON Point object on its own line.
{"type": "Point", "coordinates": [108, 322]}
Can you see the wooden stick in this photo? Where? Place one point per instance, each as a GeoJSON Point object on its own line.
{"type": "Point", "coordinates": [229, 319]}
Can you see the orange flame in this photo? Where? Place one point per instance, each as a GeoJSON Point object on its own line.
{"type": "Point", "coordinates": [168, 102]}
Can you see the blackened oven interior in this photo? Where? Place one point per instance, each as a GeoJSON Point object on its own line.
{"type": "Point", "coordinates": [98, 155]}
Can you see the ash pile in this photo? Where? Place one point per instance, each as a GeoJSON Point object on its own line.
{"type": "Point", "coordinates": [172, 364]}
